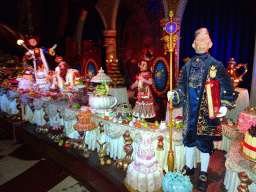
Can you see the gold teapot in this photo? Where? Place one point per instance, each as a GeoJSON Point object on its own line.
{"type": "Point", "coordinates": [232, 71]}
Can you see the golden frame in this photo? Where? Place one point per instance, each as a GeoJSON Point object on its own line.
{"type": "Point", "coordinates": [85, 67]}
{"type": "Point", "coordinates": [161, 94]}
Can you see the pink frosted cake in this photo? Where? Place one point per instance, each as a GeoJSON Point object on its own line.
{"type": "Point", "coordinates": [144, 173]}
{"type": "Point", "coordinates": [246, 120]}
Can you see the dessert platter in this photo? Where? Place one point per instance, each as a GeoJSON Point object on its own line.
{"type": "Point", "coordinates": [84, 121]}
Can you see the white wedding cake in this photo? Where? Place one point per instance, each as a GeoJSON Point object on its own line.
{"type": "Point", "coordinates": [144, 173]}
{"type": "Point", "coordinates": [41, 82]}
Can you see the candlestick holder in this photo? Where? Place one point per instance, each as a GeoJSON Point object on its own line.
{"type": "Point", "coordinates": [128, 149]}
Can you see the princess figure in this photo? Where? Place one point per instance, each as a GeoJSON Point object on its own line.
{"type": "Point", "coordinates": [144, 107]}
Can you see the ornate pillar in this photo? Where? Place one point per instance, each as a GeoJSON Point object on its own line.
{"type": "Point", "coordinates": [110, 44]}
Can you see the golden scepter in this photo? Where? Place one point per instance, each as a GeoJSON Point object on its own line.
{"type": "Point", "coordinates": [22, 43]}
{"type": "Point", "coordinates": [171, 28]}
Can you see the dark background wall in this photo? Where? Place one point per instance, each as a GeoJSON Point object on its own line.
{"type": "Point", "coordinates": [231, 24]}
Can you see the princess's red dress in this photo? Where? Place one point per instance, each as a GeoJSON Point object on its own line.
{"type": "Point", "coordinates": [144, 107]}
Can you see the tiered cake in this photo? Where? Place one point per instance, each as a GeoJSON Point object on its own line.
{"type": "Point", "coordinates": [246, 120]}
{"type": "Point", "coordinates": [249, 144]}
{"type": "Point", "coordinates": [41, 82]}
{"type": "Point", "coordinates": [144, 173]}
{"type": "Point", "coordinates": [84, 121]}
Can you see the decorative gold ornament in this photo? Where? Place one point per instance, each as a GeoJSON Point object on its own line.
{"type": "Point", "coordinates": [213, 71]}
{"type": "Point", "coordinates": [124, 163]}
{"type": "Point", "coordinates": [102, 162]}
{"type": "Point", "coordinates": [102, 153]}
{"type": "Point", "coordinates": [160, 146]}
{"type": "Point", "coordinates": [245, 181]}
{"type": "Point", "coordinates": [232, 71]}
{"type": "Point", "coordinates": [36, 50]}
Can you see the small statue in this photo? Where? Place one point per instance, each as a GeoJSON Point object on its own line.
{"type": "Point", "coordinates": [102, 153]}
{"type": "Point", "coordinates": [64, 76]}
{"type": "Point", "coordinates": [144, 106]}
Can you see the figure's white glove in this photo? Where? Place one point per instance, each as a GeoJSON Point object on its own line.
{"type": "Point", "coordinates": [170, 94]}
{"type": "Point", "coordinates": [30, 52]}
{"type": "Point", "coordinates": [222, 112]}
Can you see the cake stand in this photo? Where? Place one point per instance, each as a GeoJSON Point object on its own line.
{"type": "Point", "coordinates": [81, 140]}
{"type": "Point", "coordinates": [253, 167]}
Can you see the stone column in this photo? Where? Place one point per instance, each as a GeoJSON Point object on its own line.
{"type": "Point", "coordinates": [110, 44]}
{"type": "Point", "coordinates": [79, 30]}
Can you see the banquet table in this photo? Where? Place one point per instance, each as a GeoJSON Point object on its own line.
{"type": "Point", "coordinates": [114, 131]}
{"type": "Point", "coordinates": [241, 103]}
{"type": "Point", "coordinates": [235, 165]}
{"type": "Point", "coordinates": [33, 112]}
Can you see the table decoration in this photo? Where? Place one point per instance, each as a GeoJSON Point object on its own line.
{"type": "Point", "coordinates": [102, 153]}
{"type": "Point", "coordinates": [253, 167]}
{"type": "Point", "coordinates": [123, 163]}
{"type": "Point", "coordinates": [160, 145]}
{"type": "Point", "coordinates": [101, 100]}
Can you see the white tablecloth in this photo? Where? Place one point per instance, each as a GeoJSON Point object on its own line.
{"type": "Point", "coordinates": [241, 103]}
{"type": "Point", "coordinates": [236, 163]}
{"type": "Point", "coordinates": [114, 131]}
{"type": "Point", "coordinates": [120, 93]}
{"type": "Point", "coordinates": [8, 106]}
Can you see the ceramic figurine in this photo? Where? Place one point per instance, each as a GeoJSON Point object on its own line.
{"type": "Point", "coordinates": [64, 76]}
{"type": "Point", "coordinates": [144, 106]}
{"type": "Point", "coordinates": [38, 54]}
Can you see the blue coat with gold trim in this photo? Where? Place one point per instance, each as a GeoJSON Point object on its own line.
{"type": "Point", "coordinates": [228, 95]}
